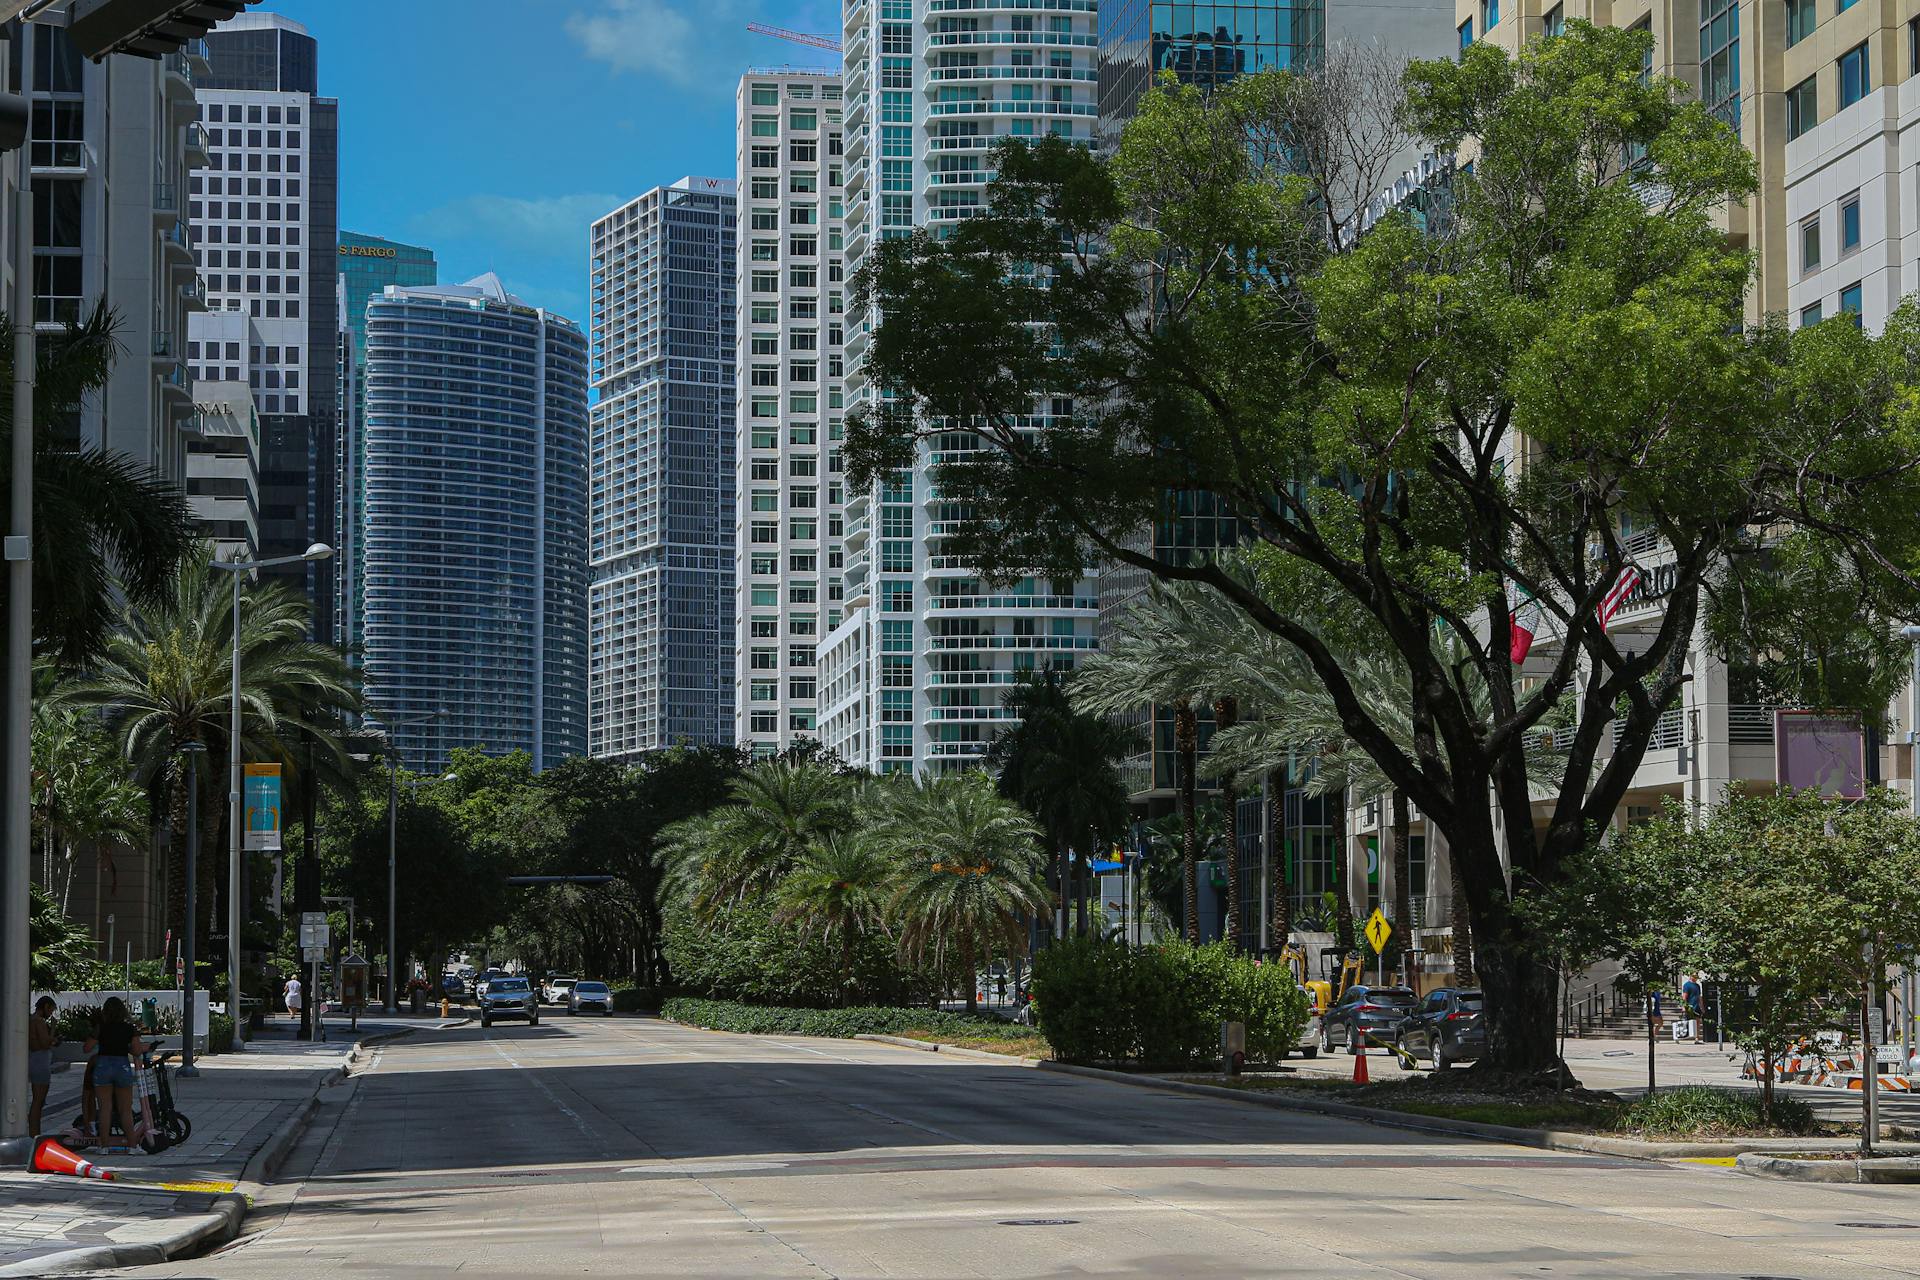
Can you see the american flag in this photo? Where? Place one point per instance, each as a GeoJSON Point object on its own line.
{"type": "Point", "coordinates": [1622, 588]}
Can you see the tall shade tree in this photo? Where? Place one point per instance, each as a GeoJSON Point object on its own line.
{"type": "Point", "coordinates": [1063, 765]}
{"type": "Point", "coordinates": [164, 679]}
{"type": "Point", "coordinates": [104, 527]}
{"type": "Point", "coordinates": [838, 890]}
{"type": "Point", "coordinates": [777, 811]}
{"type": "Point", "coordinates": [1418, 420]}
{"type": "Point", "coordinates": [969, 872]}
{"type": "Point", "coordinates": [82, 796]}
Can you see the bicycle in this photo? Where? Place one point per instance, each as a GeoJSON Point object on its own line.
{"type": "Point", "coordinates": [167, 1125]}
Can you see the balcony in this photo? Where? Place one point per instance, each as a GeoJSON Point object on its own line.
{"type": "Point", "coordinates": [173, 240]}
{"type": "Point", "coordinates": [197, 157]}
{"type": "Point", "coordinates": [164, 346]}
{"type": "Point", "coordinates": [179, 75]}
{"type": "Point", "coordinates": [174, 382]}
{"type": "Point", "coordinates": [194, 294]}
{"type": "Point", "coordinates": [166, 201]}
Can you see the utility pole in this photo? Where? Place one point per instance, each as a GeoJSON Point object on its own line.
{"type": "Point", "coordinates": [307, 889]}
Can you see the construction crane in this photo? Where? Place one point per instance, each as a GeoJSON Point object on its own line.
{"type": "Point", "coordinates": [798, 37]}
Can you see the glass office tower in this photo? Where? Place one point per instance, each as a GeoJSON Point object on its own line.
{"type": "Point", "coordinates": [476, 558]}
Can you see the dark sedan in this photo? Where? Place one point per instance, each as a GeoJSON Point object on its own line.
{"type": "Point", "coordinates": [1373, 1014]}
{"type": "Point", "coordinates": [1449, 1026]}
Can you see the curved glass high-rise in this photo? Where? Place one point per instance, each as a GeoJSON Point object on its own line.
{"type": "Point", "coordinates": [476, 516]}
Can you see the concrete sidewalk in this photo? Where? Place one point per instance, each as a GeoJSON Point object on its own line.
{"type": "Point", "coordinates": [246, 1109]}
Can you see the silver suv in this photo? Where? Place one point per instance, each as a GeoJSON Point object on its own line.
{"type": "Point", "coordinates": [509, 997]}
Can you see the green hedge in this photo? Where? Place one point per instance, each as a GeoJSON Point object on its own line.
{"type": "Point", "coordinates": [1161, 1006]}
{"type": "Point", "coordinates": [219, 1033]}
{"type": "Point", "coordinates": [744, 953]}
{"type": "Point", "coordinates": [870, 1020]}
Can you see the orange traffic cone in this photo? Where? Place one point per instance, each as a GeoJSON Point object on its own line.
{"type": "Point", "coordinates": [50, 1157]}
{"type": "Point", "coordinates": [1360, 1064]}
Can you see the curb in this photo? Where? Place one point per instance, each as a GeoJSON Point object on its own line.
{"type": "Point", "coordinates": [928, 1046]}
{"type": "Point", "coordinates": [1548, 1139]}
{"type": "Point", "coordinates": [1833, 1171]}
{"type": "Point", "coordinates": [265, 1162]}
{"type": "Point", "coordinates": [218, 1225]}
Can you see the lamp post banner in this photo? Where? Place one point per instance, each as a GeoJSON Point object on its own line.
{"type": "Point", "coordinates": [263, 806]}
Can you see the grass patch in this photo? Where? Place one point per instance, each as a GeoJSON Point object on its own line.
{"type": "Point", "coordinates": [1022, 1042]}
{"type": "Point", "coordinates": [1692, 1113]}
{"type": "Point", "coordinates": [751, 1019]}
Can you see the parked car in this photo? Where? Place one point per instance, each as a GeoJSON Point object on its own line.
{"type": "Point", "coordinates": [590, 997]}
{"type": "Point", "coordinates": [509, 997]}
{"type": "Point", "coordinates": [1370, 1013]}
{"type": "Point", "coordinates": [557, 988]}
{"type": "Point", "coordinates": [453, 986]}
{"type": "Point", "coordinates": [1309, 1041]}
{"type": "Point", "coordinates": [484, 982]}
{"type": "Point", "coordinates": [1449, 1026]}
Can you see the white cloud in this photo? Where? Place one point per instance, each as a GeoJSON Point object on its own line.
{"type": "Point", "coordinates": [552, 227]}
{"type": "Point", "coordinates": [703, 45]}
{"type": "Point", "coordinates": [655, 37]}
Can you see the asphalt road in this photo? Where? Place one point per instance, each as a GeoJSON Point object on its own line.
{"type": "Point", "coordinates": [637, 1148]}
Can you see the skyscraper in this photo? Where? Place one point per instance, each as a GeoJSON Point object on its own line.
{"type": "Point", "coordinates": [915, 672]}
{"type": "Point", "coordinates": [790, 531]}
{"type": "Point", "coordinates": [264, 220]}
{"type": "Point", "coordinates": [476, 507]}
{"type": "Point", "coordinates": [662, 540]}
{"type": "Point", "coordinates": [367, 265]}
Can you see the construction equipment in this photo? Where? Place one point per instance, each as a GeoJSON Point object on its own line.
{"type": "Point", "coordinates": [798, 37]}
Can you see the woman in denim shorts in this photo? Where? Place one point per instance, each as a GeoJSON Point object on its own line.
{"type": "Point", "coordinates": [115, 1042]}
{"type": "Point", "coordinates": [41, 1039]}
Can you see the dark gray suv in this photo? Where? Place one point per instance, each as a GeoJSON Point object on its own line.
{"type": "Point", "coordinates": [1448, 1026]}
{"type": "Point", "coordinates": [509, 998]}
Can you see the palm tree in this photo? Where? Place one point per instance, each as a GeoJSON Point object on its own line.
{"type": "Point", "coordinates": [777, 812]}
{"type": "Point", "coordinates": [969, 872]}
{"type": "Point", "coordinates": [164, 679]}
{"type": "Point", "coordinates": [105, 529]}
{"type": "Point", "coordinates": [840, 888]}
{"type": "Point", "coordinates": [1151, 658]}
{"type": "Point", "coordinates": [1062, 764]}
{"type": "Point", "coordinates": [81, 795]}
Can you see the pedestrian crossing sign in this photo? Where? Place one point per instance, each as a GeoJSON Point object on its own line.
{"type": "Point", "coordinates": [1378, 931]}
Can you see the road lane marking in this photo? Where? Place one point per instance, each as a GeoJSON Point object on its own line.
{"type": "Point", "coordinates": [586, 1131]}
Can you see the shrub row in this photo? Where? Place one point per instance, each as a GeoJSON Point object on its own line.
{"type": "Point", "coordinates": [632, 999]}
{"type": "Point", "coordinates": [1161, 1006]}
{"type": "Point", "coordinates": [869, 1020]}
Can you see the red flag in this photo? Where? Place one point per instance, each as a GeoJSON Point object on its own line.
{"type": "Point", "coordinates": [1522, 624]}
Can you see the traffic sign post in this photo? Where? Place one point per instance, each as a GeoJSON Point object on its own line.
{"type": "Point", "coordinates": [1378, 931]}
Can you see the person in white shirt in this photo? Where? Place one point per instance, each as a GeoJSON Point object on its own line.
{"type": "Point", "coordinates": [293, 995]}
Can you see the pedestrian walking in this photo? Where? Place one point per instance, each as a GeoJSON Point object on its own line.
{"type": "Point", "coordinates": [41, 1037]}
{"type": "Point", "coordinates": [1691, 994]}
{"type": "Point", "coordinates": [115, 1042]}
{"type": "Point", "coordinates": [294, 996]}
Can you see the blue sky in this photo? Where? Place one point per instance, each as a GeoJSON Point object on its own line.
{"type": "Point", "coordinates": [495, 131]}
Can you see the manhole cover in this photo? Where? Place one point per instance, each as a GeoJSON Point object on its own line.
{"type": "Point", "coordinates": [1037, 1222]}
{"type": "Point", "coordinates": [1881, 1226]}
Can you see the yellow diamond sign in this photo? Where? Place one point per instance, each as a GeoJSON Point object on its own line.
{"type": "Point", "coordinates": [1378, 931]}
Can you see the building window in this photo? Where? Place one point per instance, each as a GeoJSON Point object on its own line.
{"type": "Point", "coordinates": [1466, 34]}
{"type": "Point", "coordinates": [1809, 245]}
{"type": "Point", "coordinates": [1720, 60]}
{"type": "Point", "coordinates": [1810, 315]}
{"type": "Point", "coordinates": [1841, 6]}
{"type": "Point", "coordinates": [1850, 302]}
{"type": "Point", "coordinates": [1913, 47]}
{"type": "Point", "coordinates": [1802, 17]}
{"type": "Point", "coordinates": [1856, 77]}
{"type": "Point", "coordinates": [766, 95]}
{"type": "Point", "coordinates": [1850, 223]}
{"type": "Point", "coordinates": [1489, 15]}
{"type": "Point", "coordinates": [1803, 108]}
{"type": "Point", "coordinates": [1555, 23]}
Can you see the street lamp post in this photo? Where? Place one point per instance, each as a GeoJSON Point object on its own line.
{"type": "Point", "coordinates": [318, 551]}
{"type": "Point", "coordinates": [393, 843]}
{"type": "Point", "coordinates": [1907, 991]}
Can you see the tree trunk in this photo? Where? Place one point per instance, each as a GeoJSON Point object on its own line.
{"type": "Point", "coordinates": [966, 959]}
{"type": "Point", "coordinates": [177, 850]}
{"type": "Point", "coordinates": [1463, 971]}
{"type": "Point", "coordinates": [846, 968]}
{"type": "Point", "coordinates": [1653, 1041]}
{"type": "Point", "coordinates": [1280, 910]}
{"type": "Point", "coordinates": [1226, 713]}
{"type": "Point", "coordinates": [1186, 742]}
{"type": "Point", "coordinates": [1402, 830]}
